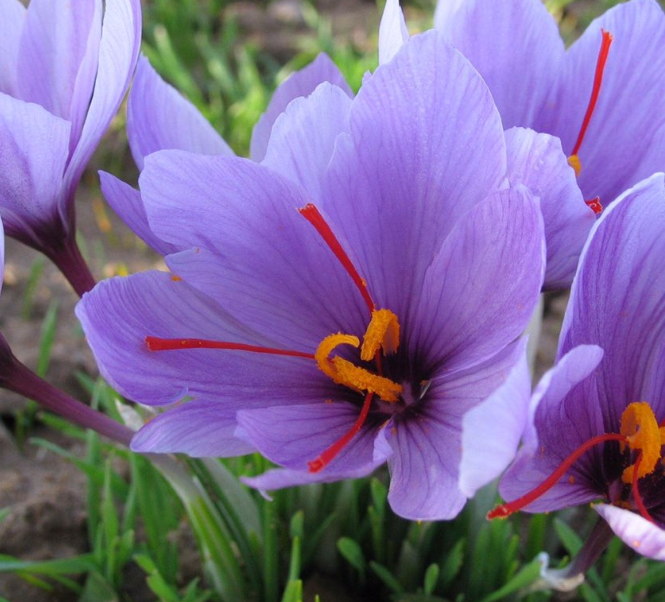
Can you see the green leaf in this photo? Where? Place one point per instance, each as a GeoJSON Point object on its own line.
{"type": "Point", "coordinates": [528, 575]}
{"type": "Point", "coordinates": [387, 577]}
{"type": "Point", "coordinates": [431, 578]}
{"type": "Point", "coordinates": [453, 563]}
{"type": "Point", "coordinates": [570, 540]}
{"type": "Point", "coordinates": [350, 549]}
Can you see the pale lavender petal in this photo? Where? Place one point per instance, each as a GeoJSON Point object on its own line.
{"type": "Point", "coordinates": [198, 429]}
{"type": "Point", "coordinates": [537, 161]}
{"type": "Point", "coordinates": [11, 27]}
{"type": "Point", "coordinates": [302, 142]}
{"type": "Point", "coordinates": [492, 430]}
{"type": "Point", "coordinates": [33, 153]}
{"type": "Point", "coordinates": [300, 83]}
{"type": "Point", "coordinates": [625, 141]}
{"type": "Point", "coordinates": [426, 145]}
{"type": "Point", "coordinates": [638, 533]}
{"type": "Point", "coordinates": [392, 31]}
{"type": "Point", "coordinates": [481, 289]}
{"type": "Point", "coordinates": [2, 253]}
{"type": "Point", "coordinates": [118, 52]}
{"type": "Point", "coordinates": [126, 202]}
{"type": "Point", "coordinates": [514, 44]}
{"type": "Point", "coordinates": [618, 300]}
{"type": "Point", "coordinates": [159, 117]}
{"type": "Point", "coordinates": [564, 414]}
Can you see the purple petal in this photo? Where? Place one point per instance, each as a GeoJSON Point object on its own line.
{"type": "Point", "coordinates": [301, 142]}
{"type": "Point", "coordinates": [392, 31]}
{"type": "Point", "coordinates": [127, 203]}
{"type": "Point", "coordinates": [11, 27]}
{"type": "Point", "coordinates": [198, 429]}
{"type": "Point", "coordinates": [406, 175]}
{"type": "Point", "coordinates": [514, 44]}
{"type": "Point", "coordinates": [491, 431]}
{"type": "Point", "coordinates": [159, 117]}
{"type": "Point", "coordinates": [480, 290]}
{"type": "Point", "coordinates": [118, 315]}
{"type": "Point", "coordinates": [638, 533]}
{"type": "Point", "coordinates": [33, 152]}
{"type": "Point", "coordinates": [118, 51]}
{"type": "Point", "coordinates": [625, 141]}
{"type": "Point", "coordinates": [253, 251]}
{"type": "Point", "coordinates": [300, 83]}
{"type": "Point", "coordinates": [618, 300]}
{"type": "Point", "coordinates": [564, 414]}
{"type": "Point", "coordinates": [537, 161]}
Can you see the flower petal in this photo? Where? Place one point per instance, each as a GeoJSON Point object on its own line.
{"type": "Point", "coordinates": [537, 161]}
{"type": "Point", "coordinates": [514, 44]}
{"type": "Point", "coordinates": [392, 31]}
{"type": "Point", "coordinates": [300, 83]}
{"type": "Point", "coordinates": [638, 533]}
{"type": "Point", "coordinates": [11, 28]}
{"type": "Point", "coordinates": [198, 429]}
{"type": "Point", "coordinates": [159, 117]}
{"type": "Point", "coordinates": [406, 175]}
{"type": "Point", "coordinates": [480, 290]}
{"type": "Point", "coordinates": [301, 142]}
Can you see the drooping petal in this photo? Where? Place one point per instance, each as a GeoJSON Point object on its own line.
{"type": "Point", "coordinates": [198, 429]}
{"type": "Point", "coordinates": [120, 313]}
{"type": "Point", "coordinates": [392, 31]}
{"type": "Point", "coordinates": [33, 152]}
{"type": "Point", "coordinates": [159, 117]}
{"type": "Point", "coordinates": [127, 203]}
{"type": "Point", "coordinates": [537, 161]}
{"type": "Point", "coordinates": [300, 83]}
{"type": "Point", "coordinates": [491, 431]}
{"type": "Point", "coordinates": [426, 145]}
{"type": "Point", "coordinates": [480, 290]}
{"type": "Point", "coordinates": [252, 251]}
{"type": "Point", "coordinates": [625, 141]}
{"type": "Point", "coordinates": [301, 142]}
{"type": "Point", "coordinates": [118, 52]}
{"type": "Point", "coordinates": [564, 414]}
{"type": "Point", "coordinates": [638, 533]}
{"type": "Point", "coordinates": [514, 44]}
{"type": "Point", "coordinates": [618, 300]}
{"type": "Point", "coordinates": [11, 27]}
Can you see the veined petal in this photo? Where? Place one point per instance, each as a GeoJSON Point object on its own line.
{"type": "Point", "coordinates": [514, 44]}
{"type": "Point", "coordinates": [11, 27]}
{"type": "Point", "coordinates": [636, 532]}
{"type": "Point", "coordinates": [300, 83]}
{"type": "Point", "coordinates": [159, 118]}
{"type": "Point", "coordinates": [537, 161]}
{"type": "Point", "coordinates": [392, 31]}
{"type": "Point", "coordinates": [301, 142]}
{"type": "Point", "coordinates": [397, 185]}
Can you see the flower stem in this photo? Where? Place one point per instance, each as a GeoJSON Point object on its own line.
{"type": "Point", "coordinates": [70, 262]}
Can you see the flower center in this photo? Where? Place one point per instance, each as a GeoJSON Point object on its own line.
{"type": "Point", "coordinates": [639, 432]}
{"type": "Point", "coordinates": [574, 159]}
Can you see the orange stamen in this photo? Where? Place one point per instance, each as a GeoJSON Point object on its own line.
{"type": "Point", "coordinates": [320, 462]}
{"type": "Point", "coordinates": [157, 344]}
{"type": "Point", "coordinates": [312, 215]}
{"type": "Point", "coordinates": [636, 492]}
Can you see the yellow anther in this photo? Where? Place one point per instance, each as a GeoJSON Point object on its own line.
{"type": "Point", "coordinates": [383, 331]}
{"type": "Point", "coordinates": [640, 427]}
{"type": "Point", "coordinates": [327, 346]}
{"type": "Point", "coordinates": [576, 164]}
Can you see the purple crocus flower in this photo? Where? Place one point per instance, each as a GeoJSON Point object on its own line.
{"type": "Point", "coordinates": [64, 68]}
{"type": "Point", "coordinates": [335, 310]}
{"type": "Point", "coordinates": [596, 427]}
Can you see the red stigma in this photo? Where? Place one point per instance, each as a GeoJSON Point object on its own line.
{"type": "Point", "coordinates": [594, 205]}
{"type": "Point", "coordinates": [321, 461]}
{"type": "Point", "coordinates": [314, 217]}
{"type": "Point", "coordinates": [597, 83]}
{"type": "Point", "coordinates": [157, 344]}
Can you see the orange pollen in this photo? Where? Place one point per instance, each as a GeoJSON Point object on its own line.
{"type": "Point", "coordinates": [604, 52]}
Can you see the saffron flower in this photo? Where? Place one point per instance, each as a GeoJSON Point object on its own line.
{"type": "Point", "coordinates": [596, 426]}
{"type": "Point", "coordinates": [336, 310]}
{"type": "Point", "coordinates": [64, 69]}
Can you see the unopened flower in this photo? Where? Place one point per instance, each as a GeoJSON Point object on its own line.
{"type": "Point", "coordinates": [339, 309]}
{"type": "Point", "coordinates": [596, 427]}
{"type": "Point", "coordinates": [64, 69]}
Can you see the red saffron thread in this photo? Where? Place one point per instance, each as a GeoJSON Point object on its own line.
{"type": "Point", "coordinates": [595, 91]}
{"type": "Point", "coordinates": [636, 492]}
{"type": "Point", "coordinates": [312, 215]}
{"type": "Point", "coordinates": [594, 205]}
{"type": "Point", "coordinates": [320, 462]}
{"type": "Point", "coordinates": [505, 510]}
{"type": "Point", "coordinates": [157, 344]}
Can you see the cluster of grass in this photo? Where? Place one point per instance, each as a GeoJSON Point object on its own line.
{"type": "Point", "coordinates": [268, 551]}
